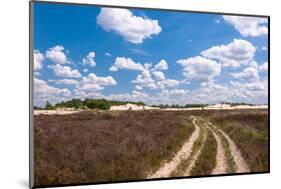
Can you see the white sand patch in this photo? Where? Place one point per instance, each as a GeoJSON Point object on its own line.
{"type": "Point", "coordinates": [132, 107]}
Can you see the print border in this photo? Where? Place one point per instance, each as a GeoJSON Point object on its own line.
{"type": "Point", "coordinates": [31, 90]}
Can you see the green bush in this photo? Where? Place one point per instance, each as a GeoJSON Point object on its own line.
{"type": "Point", "coordinates": [98, 104]}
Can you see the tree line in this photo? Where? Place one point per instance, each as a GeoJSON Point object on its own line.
{"type": "Point", "coordinates": [163, 106]}
{"type": "Point", "coordinates": [104, 104]}
{"type": "Point", "coordinates": [101, 104]}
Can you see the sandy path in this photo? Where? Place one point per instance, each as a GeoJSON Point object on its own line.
{"type": "Point", "coordinates": [197, 154]}
{"type": "Point", "coordinates": [241, 165]}
{"type": "Point", "coordinates": [183, 153]}
{"type": "Point", "coordinates": [221, 165]}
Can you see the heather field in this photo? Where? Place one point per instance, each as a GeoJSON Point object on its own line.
{"type": "Point", "coordinates": [104, 146]}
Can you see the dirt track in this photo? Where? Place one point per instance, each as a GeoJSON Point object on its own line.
{"type": "Point", "coordinates": [183, 153]}
{"type": "Point", "coordinates": [186, 152]}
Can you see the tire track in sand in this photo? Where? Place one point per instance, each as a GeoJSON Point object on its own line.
{"type": "Point", "coordinates": [197, 153]}
{"type": "Point", "coordinates": [221, 165]}
{"type": "Point", "coordinates": [183, 153]}
{"type": "Point", "coordinates": [241, 165]}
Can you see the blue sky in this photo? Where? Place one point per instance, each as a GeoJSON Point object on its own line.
{"type": "Point", "coordinates": [148, 55]}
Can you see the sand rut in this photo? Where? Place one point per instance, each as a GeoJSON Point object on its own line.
{"type": "Point", "coordinates": [183, 153]}
{"type": "Point", "coordinates": [197, 153]}
{"type": "Point", "coordinates": [187, 152]}
{"type": "Point", "coordinates": [221, 165]}
{"type": "Point", "coordinates": [241, 165]}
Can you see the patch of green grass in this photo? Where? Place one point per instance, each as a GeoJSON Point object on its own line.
{"type": "Point", "coordinates": [207, 159]}
{"type": "Point", "coordinates": [231, 166]}
{"type": "Point", "coordinates": [250, 134]}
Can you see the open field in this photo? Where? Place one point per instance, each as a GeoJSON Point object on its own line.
{"type": "Point", "coordinates": [98, 146]}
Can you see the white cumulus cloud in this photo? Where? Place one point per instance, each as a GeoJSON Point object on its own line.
{"type": "Point", "coordinates": [144, 78]}
{"type": "Point", "coordinates": [162, 65]}
{"type": "Point", "coordinates": [199, 69]}
{"type": "Point", "coordinates": [89, 60]}
{"type": "Point", "coordinates": [263, 67]}
{"type": "Point", "coordinates": [103, 81]}
{"type": "Point", "coordinates": [167, 83]}
{"type": "Point", "coordinates": [248, 26]}
{"type": "Point", "coordinates": [137, 87]}
{"type": "Point", "coordinates": [233, 54]}
{"type": "Point", "coordinates": [44, 92]}
{"type": "Point", "coordinates": [91, 85]}
{"type": "Point", "coordinates": [159, 75]}
{"type": "Point", "coordinates": [38, 60]}
{"type": "Point", "coordinates": [249, 73]}
{"type": "Point", "coordinates": [175, 92]}
{"type": "Point", "coordinates": [65, 81]}
{"type": "Point", "coordinates": [136, 96]}
{"type": "Point", "coordinates": [57, 55]}
{"type": "Point", "coordinates": [125, 63]}
{"type": "Point", "coordinates": [65, 71]}
{"type": "Point", "coordinates": [132, 28]}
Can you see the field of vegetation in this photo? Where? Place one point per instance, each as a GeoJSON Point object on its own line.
{"type": "Point", "coordinates": [103, 146]}
{"type": "Point", "coordinates": [250, 133]}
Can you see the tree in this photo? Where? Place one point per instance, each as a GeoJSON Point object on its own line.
{"type": "Point", "coordinates": [97, 104]}
{"type": "Point", "coordinates": [49, 106]}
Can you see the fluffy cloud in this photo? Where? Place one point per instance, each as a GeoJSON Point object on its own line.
{"type": "Point", "coordinates": [103, 81]}
{"type": "Point", "coordinates": [154, 79]}
{"type": "Point", "coordinates": [93, 83]}
{"type": "Point", "coordinates": [65, 71]}
{"type": "Point", "coordinates": [210, 92]}
{"type": "Point", "coordinates": [132, 28]}
{"type": "Point", "coordinates": [133, 96]}
{"type": "Point", "coordinates": [253, 92]}
{"type": "Point", "coordinates": [137, 87]}
{"type": "Point", "coordinates": [57, 55]}
{"type": "Point", "coordinates": [162, 65]}
{"type": "Point", "coordinates": [41, 86]}
{"type": "Point", "coordinates": [125, 63]}
{"type": "Point", "coordinates": [147, 66]}
{"type": "Point", "coordinates": [249, 73]}
{"type": "Point", "coordinates": [264, 48]}
{"type": "Point", "coordinates": [44, 92]}
{"type": "Point", "coordinates": [65, 81]}
{"type": "Point", "coordinates": [252, 86]}
{"type": "Point", "coordinates": [263, 67]}
{"type": "Point", "coordinates": [248, 26]}
{"type": "Point", "coordinates": [175, 92]}
{"type": "Point", "coordinates": [199, 69]}
{"type": "Point", "coordinates": [144, 78]}
{"type": "Point", "coordinates": [159, 75]}
{"type": "Point", "coordinates": [37, 74]}
{"type": "Point", "coordinates": [89, 60]}
{"type": "Point", "coordinates": [38, 60]}
{"type": "Point", "coordinates": [89, 87]}
{"type": "Point", "coordinates": [233, 54]}
{"type": "Point", "coordinates": [167, 83]}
